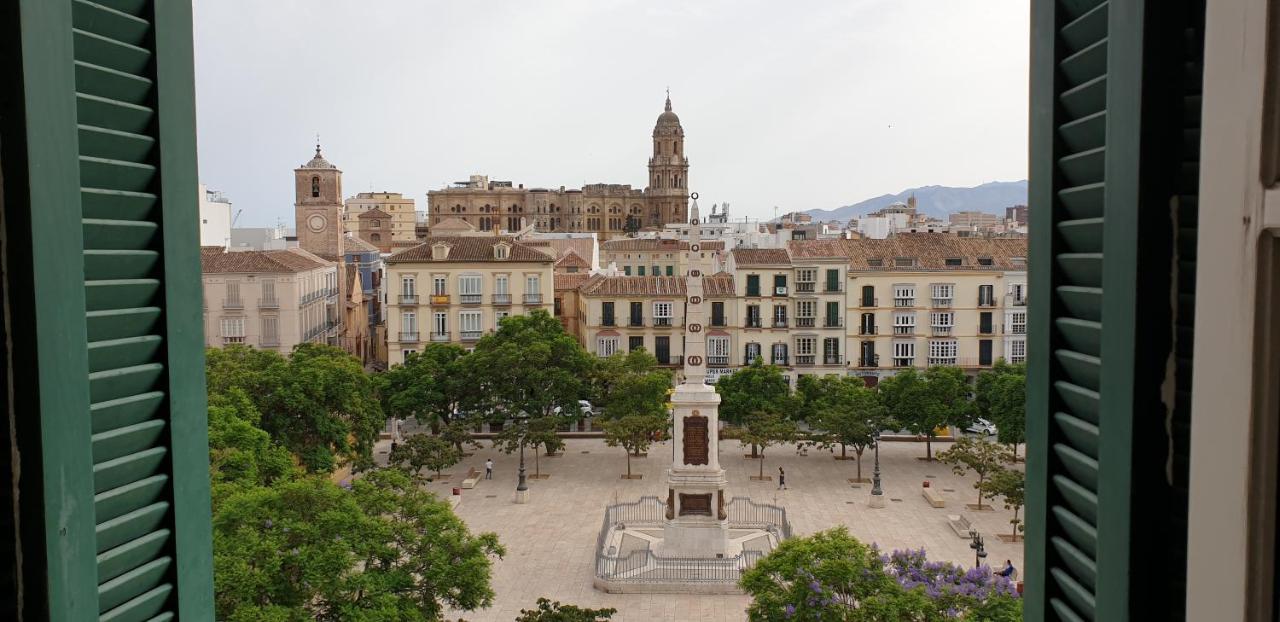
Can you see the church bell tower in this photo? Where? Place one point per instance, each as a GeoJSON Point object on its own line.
{"type": "Point", "coordinates": [318, 207]}
{"type": "Point", "coordinates": [668, 189]}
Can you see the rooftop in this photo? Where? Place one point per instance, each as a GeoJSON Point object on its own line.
{"type": "Point", "coordinates": [469, 249]}
{"type": "Point", "coordinates": [761, 257]}
{"type": "Point", "coordinates": [716, 285]}
{"type": "Point", "coordinates": [216, 260]}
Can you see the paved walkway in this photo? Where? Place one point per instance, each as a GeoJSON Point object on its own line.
{"type": "Point", "coordinates": [550, 541]}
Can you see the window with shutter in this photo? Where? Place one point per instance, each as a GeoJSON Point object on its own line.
{"type": "Point", "coordinates": [109, 312]}
{"type": "Point", "coordinates": [1114, 137]}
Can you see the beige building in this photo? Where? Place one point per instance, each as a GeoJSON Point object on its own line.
{"type": "Point", "coordinates": [457, 289]}
{"type": "Point", "coordinates": [920, 299]}
{"type": "Point", "coordinates": [272, 300]}
{"type": "Point", "coordinates": [624, 313]}
{"type": "Point", "coordinates": [373, 226]}
{"type": "Point", "coordinates": [567, 301]}
{"type": "Point", "coordinates": [974, 220]}
{"type": "Point", "coordinates": [396, 223]}
{"type": "Point", "coordinates": [607, 209]}
{"type": "Point", "coordinates": [655, 256]}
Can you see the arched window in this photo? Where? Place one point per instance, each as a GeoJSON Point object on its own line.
{"type": "Point", "coordinates": [376, 237]}
{"type": "Point", "coordinates": [315, 186]}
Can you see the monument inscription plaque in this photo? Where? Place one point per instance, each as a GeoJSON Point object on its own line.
{"type": "Point", "coordinates": [695, 505]}
{"type": "Point", "coordinates": [695, 440]}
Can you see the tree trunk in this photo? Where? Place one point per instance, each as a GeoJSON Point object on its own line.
{"type": "Point", "coordinates": [858, 453]}
{"type": "Point", "coordinates": [537, 468]}
{"type": "Point", "coordinates": [628, 465]}
{"type": "Point", "coordinates": [762, 466]}
{"type": "Point", "coordinates": [928, 447]}
{"type": "Point", "coordinates": [844, 455]}
{"type": "Point", "coordinates": [753, 451]}
{"type": "Point", "coordinates": [1014, 523]}
{"type": "Point", "coordinates": [979, 487]}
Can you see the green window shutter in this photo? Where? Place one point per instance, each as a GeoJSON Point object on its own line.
{"type": "Point", "coordinates": [1114, 140]}
{"type": "Point", "coordinates": [116, 332]}
{"type": "Point", "coordinates": [833, 314]}
{"type": "Point", "coordinates": [753, 285]}
{"type": "Point", "coordinates": [833, 280]}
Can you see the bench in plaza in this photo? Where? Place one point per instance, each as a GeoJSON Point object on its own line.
{"type": "Point", "coordinates": [960, 525]}
{"type": "Point", "coordinates": [933, 497]}
{"type": "Point", "coordinates": [473, 476]}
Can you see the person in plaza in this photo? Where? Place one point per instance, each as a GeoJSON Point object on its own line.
{"type": "Point", "coordinates": [1008, 569]}
{"type": "Point", "coordinates": [782, 479]}
{"type": "Point", "coordinates": [488, 468]}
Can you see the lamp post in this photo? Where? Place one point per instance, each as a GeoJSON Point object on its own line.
{"type": "Point", "coordinates": [979, 552]}
{"type": "Point", "coordinates": [522, 486]}
{"type": "Point", "coordinates": [877, 495]}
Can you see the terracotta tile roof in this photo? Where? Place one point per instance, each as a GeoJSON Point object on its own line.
{"type": "Point", "coordinates": [817, 249]}
{"type": "Point", "coordinates": [712, 245]}
{"type": "Point", "coordinates": [584, 247]}
{"type": "Point", "coordinates": [353, 243]}
{"type": "Point", "coordinates": [931, 250]}
{"type": "Point", "coordinates": [374, 213]}
{"type": "Point", "coordinates": [453, 223]}
{"type": "Point", "coordinates": [214, 260]}
{"type": "Point", "coordinates": [469, 249]}
{"type": "Point", "coordinates": [761, 257]}
{"type": "Point", "coordinates": [644, 244]}
{"type": "Point", "coordinates": [571, 260]}
{"type": "Point", "coordinates": [718, 285]}
{"type": "Point", "coordinates": [564, 282]}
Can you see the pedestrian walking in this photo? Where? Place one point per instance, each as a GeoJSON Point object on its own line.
{"type": "Point", "coordinates": [782, 479]}
{"type": "Point", "coordinates": [488, 468]}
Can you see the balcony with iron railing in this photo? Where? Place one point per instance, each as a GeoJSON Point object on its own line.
{"type": "Point", "coordinates": [832, 359]}
{"type": "Point", "coordinates": [239, 339]}
{"type": "Point", "coordinates": [869, 302]}
{"type": "Point", "coordinates": [904, 302]}
{"type": "Point", "coordinates": [753, 322]}
{"type": "Point", "coordinates": [942, 302]}
{"type": "Point", "coordinates": [471, 299]}
{"type": "Point", "coordinates": [833, 322]}
{"type": "Point", "coordinates": [865, 329]}
{"type": "Point", "coordinates": [986, 301]}
{"type": "Point", "coordinates": [408, 299]}
{"type": "Point", "coordinates": [827, 288]}
{"type": "Point", "coordinates": [986, 329]}
{"type": "Point", "coordinates": [1011, 300]}
{"type": "Point", "coordinates": [608, 321]}
{"type": "Point", "coordinates": [232, 303]}
{"type": "Point", "coordinates": [904, 330]}
{"type": "Point", "coordinates": [440, 336]}
{"type": "Point", "coordinates": [904, 361]}
{"type": "Point", "coordinates": [717, 361]}
{"type": "Point", "coordinates": [805, 360]}
{"type": "Point", "coordinates": [439, 299]}
{"type": "Point", "coordinates": [806, 287]}
{"type": "Point", "coordinates": [780, 361]}
{"type": "Point", "coordinates": [717, 320]}
{"type": "Point", "coordinates": [942, 360]}
{"type": "Point", "coordinates": [869, 361]}
{"type": "Point", "coordinates": [408, 337]}
{"type": "Point", "coordinates": [635, 321]}
{"type": "Point", "coordinates": [501, 299]}
{"type": "Point", "coordinates": [805, 322]}
{"type": "Point", "coordinates": [941, 331]}
{"type": "Point", "coordinates": [269, 303]}
{"type": "Point", "coordinates": [779, 322]}
{"type": "Point", "coordinates": [471, 335]}
{"type": "Point", "coordinates": [662, 321]}
{"type": "Point", "coordinates": [269, 341]}
{"type": "Point", "coordinates": [533, 299]}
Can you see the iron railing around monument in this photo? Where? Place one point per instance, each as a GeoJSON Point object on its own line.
{"type": "Point", "coordinates": [643, 566]}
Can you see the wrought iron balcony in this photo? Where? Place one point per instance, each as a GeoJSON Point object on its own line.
{"type": "Point", "coordinates": [472, 335]}
{"type": "Point", "coordinates": [779, 322]}
{"type": "Point", "coordinates": [471, 299]}
{"type": "Point", "coordinates": [806, 360]}
{"type": "Point", "coordinates": [501, 299]}
{"type": "Point", "coordinates": [408, 337]}
{"type": "Point", "coordinates": [870, 302]}
{"type": "Point", "coordinates": [806, 288]}
{"type": "Point", "coordinates": [752, 322]}
{"type": "Point", "coordinates": [408, 299]}
{"type": "Point", "coordinates": [636, 321]}
{"type": "Point", "coordinates": [607, 321]}
{"type": "Point", "coordinates": [439, 299]}
{"type": "Point", "coordinates": [869, 361]}
{"type": "Point", "coordinates": [444, 336]}
{"type": "Point", "coordinates": [805, 322]}
{"type": "Point", "coordinates": [533, 299]}
{"type": "Point", "coordinates": [230, 303]}
{"type": "Point", "coordinates": [717, 360]}
{"type": "Point", "coordinates": [868, 330]}
{"type": "Point", "coordinates": [269, 303]}
{"type": "Point", "coordinates": [662, 321]}
{"type": "Point", "coordinates": [833, 322]}
{"type": "Point", "coordinates": [832, 359]}
{"type": "Point", "coordinates": [269, 342]}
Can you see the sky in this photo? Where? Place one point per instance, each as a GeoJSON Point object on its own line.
{"type": "Point", "coordinates": [795, 105]}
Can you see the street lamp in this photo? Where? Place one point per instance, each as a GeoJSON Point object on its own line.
{"type": "Point", "coordinates": [522, 487]}
{"type": "Point", "coordinates": [877, 495]}
{"type": "Point", "coordinates": [977, 545]}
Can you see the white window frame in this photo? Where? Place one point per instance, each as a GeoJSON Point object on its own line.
{"type": "Point", "coordinates": [943, 351]}
{"type": "Point", "coordinates": [1017, 351]}
{"type": "Point", "coordinates": [904, 292]}
{"type": "Point", "coordinates": [440, 323]}
{"type": "Point", "coordinates": [901, 321]}
{"type": "Point", "coordinates": [806, 346]}
{"type": "Point", "coordinates": [773, 354]}
{"type": "Point", "coordinates": [470, 321]}
{"type": "Point", "coordinates": [232, 329]}
{"type": "Point", "coordinates": [409, 322]}
{"type": "Point", "coordinates": [904, 350]}
{"type": "Point", "coordinates": [501, 285]}
{"type": "Point", "coordinates": [439, 285]}
{"type": "Point", "coordinates": [806, 308]}
{"type": "Point", "coordinates": [662, 309]}
{"type": "Point", "coordinates": [606, 346]}
{"type": "Point", "coordinates": [271, 328]}
{"type": "Point", "coordinates": [408, 285]}
{"type": "Point", "coordinates": [806, 275]}
{"type": "Point", "coordinates": [1018, 323]}
{"type": "Point", "coordinates": [718, 345]}
{"type": "Point", "coordinates": [532, 284]}
{"type": "Point", "coordinates": [470, 284]}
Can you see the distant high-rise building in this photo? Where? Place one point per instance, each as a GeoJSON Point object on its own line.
{"type": "Point", "coordinates": [1017, 213]}
{"type": "Point", "coordinates": [215, 218]}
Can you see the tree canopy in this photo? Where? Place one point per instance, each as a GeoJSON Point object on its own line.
{"type": "Point", "coordinates": [634, 433]}
{"type": "Point", "coordinates": [843, 411]}
{"type": "Point", "coordinates": [529, 365]}
{"type": "Point", "coordinates": [429, 386]}
{"type": "Point", "coordinates": [926, 401]}
{"type": "Point", "coordinates": [631, 384]}
{"type": "Point", "coordinates": [548, 611]}
{"type": "Point", "coordinates": [974, 454]}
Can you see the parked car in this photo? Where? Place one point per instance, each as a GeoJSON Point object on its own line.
{"type": "Point", "coordinates": [982, 426]}
{"type": "Point", "coordinates": [585, 409]}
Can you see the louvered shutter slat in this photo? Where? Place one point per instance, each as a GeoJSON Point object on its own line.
{"type": "Point", "coordinates": [125, 411]}
{"type": "Point", "coordinates": [130, 497]}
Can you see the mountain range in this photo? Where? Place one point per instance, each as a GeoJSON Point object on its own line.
{"type": "Point", "coordinates": [938, 201]}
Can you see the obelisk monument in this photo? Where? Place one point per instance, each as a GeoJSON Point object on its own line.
{"type": "Point", "coordinates": [696, 522]}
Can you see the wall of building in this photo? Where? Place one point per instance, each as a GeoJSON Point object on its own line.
{"type": "Point", "coordinates": [215, 218]}
{"type": "Point", "coordinates": [300, 308]}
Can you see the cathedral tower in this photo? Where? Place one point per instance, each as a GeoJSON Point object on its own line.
{"type": "Point", "coordinates": [318, 207]}
{"type": "Point", "coordinates": [668, 189]}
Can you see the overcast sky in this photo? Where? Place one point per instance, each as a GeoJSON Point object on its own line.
{"type": "Point", "coordinates": [798, 105]}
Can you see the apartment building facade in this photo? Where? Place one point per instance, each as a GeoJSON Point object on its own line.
{"type": "Point", "coordinates": [397, 221]}
{"type": "Point", "coordinates": [271, 300]}
{"type": "Point", "coordinates": [625, 313]}
{"type": "Point", "coordinates": [457, 289]}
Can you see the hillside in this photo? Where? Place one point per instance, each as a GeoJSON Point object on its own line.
{"type": "Point", "coordinates": [938, 201]}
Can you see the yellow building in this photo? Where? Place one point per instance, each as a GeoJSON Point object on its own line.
{"type": "Point", "coordinates": [624, 313]}
{"type": "Point", "coordinates": [921, 299]}
{"type": "Point", "coordinates": [457, 289]}
{"type": "Point", "coordinates": [396, 224]}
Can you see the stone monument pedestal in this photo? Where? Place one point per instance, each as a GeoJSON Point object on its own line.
{"type": "Point", "coordinates": [522, 496]}
{"type": "Point", "coordinates": [877, 501]}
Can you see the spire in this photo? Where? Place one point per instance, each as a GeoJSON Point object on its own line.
{"type": "Point", "coordinates": [668, 109]}
{"type": "Point", "coordinates": [318, 144]}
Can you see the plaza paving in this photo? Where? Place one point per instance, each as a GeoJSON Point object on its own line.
{"type": "Point", "coordinates": [550, 541]}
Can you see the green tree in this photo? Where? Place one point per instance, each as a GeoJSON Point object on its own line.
{"type": "Point", "coordinates": [1011, 484]}
{"type": "Point", "coordinates": [530, 365]}
{"type": "Point", "coordinates": [430, 386]}
{"type": "Point", "coordinates": [242, 455]}
{"type": "Point", "coordinates": [635, 385]}
{"type": "Point", "coordinates": [548, 611]}
{"type": "Point", "coordinates": [310, 550]}
{"type": "Point", "coordinates": [974, 454]}
{"type": "Point", "coordinates": [634, 433]}
{"type": "Point", "coordinates": [535, 432]}
{"type": "Point", "coordinates": [1000, 396]}
{"type": "Point", "coordinates": [753, 389]}
{"type": "Point", "coordinates": [458, 433]}
{"type": "Point", "coordinates": [843, 411]}
{"type": "Point", "coordinates": [925, 402]}
{"type": "Point", "coordinates": [767, 428]}
{"type": "Point", "coordinates": [827, 577]}
{"type": "Point", "coordinates": [237, 366]}
{"type": "Point", "coordinates": [421, 451]}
